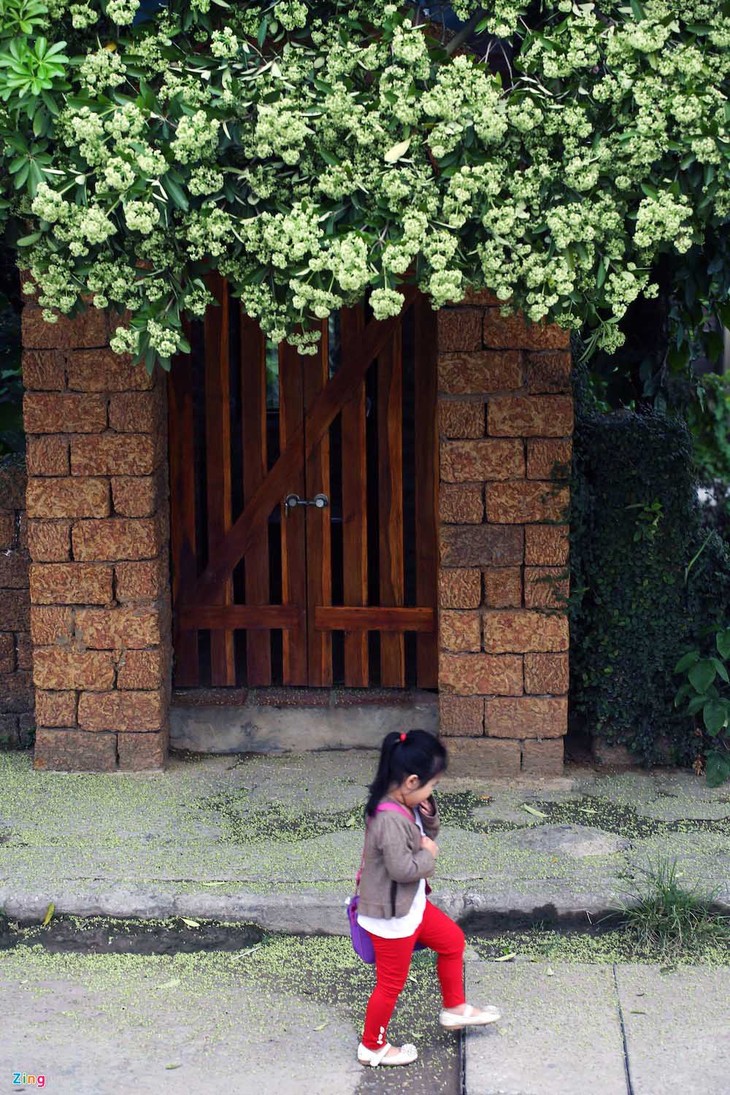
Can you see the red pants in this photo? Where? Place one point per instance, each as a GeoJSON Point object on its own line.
{"type": "Point", "coordinates": [392, 962]}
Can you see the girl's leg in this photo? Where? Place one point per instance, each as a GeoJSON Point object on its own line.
{"type": "Point", "coordinates": [439, 932]}
{"type": "Point", "coordinates": [392, 962]}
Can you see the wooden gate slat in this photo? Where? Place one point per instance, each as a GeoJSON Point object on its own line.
{"type": "Point", "coordinates": [218, 467]}
{"type": "Point", "coordinates": [293, 548]}
{"type": "Point", "coordinates": [354, 510]}
{"type": "Point", "coordinates": [253, 398]}
{"type": "Point", "coordinates": [182, 509]}
{"type": "Point", "coordinates": [426, 470]}
{"type": "Point", "coordinates": [390, 503]}
{"type": "Point", "coordinates": [356, 356]}
{"type": "Point", "coordinates": [318, 521]}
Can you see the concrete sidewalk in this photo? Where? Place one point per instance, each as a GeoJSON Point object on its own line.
{"type": "Point", "coordinates": [284, 1017]}
{"type": "Point", "coordinates": [277, 840]}
{"type": "Point", "coordinates": [608, 1030]}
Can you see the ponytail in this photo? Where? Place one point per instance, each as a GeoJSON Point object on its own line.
{"type": "Point", "coordinates": [403, 754]}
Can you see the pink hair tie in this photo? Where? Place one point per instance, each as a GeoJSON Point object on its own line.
{"type": "Point", "coordinates": [403, 737]}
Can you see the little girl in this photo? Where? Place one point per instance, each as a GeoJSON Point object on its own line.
{"type": "Point", "coordinates": [399, 855]}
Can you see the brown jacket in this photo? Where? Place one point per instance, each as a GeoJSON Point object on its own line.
{"type": "Point", "coordinates": [394, 862]}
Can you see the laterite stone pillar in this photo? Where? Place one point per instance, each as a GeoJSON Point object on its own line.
{"type": "Point", "coordinates": [505, 425]}
{"type": "Point", "coordinates": [98, 529]}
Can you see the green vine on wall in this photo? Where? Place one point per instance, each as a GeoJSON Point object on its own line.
{"type": "Point", "coordinates": [312, 151]}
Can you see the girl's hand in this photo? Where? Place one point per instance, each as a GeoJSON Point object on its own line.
{"type": "Point", "coordinates": [430, 846]}
{"type": "Point", "coordinates": [427, 807]}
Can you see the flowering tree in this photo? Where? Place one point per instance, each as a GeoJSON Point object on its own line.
{"type": "Point", "coordinates": [312, 151]}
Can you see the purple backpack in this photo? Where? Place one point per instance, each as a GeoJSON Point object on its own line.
{"type": "Point", "coordinates": [361, 942]}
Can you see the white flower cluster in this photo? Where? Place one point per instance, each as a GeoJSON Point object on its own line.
{"type": "Point", "coordinates": [122, 11]}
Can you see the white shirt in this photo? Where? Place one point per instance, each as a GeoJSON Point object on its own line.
{"type": "Point", "coordinates": [399, 927]}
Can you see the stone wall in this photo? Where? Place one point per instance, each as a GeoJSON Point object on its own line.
{"type": "Point", "coordinates": [16, 688]}
{"type": "Point", "coordinates": [98, 531]}
{"type": "Point", "coordinates": [506, 421]}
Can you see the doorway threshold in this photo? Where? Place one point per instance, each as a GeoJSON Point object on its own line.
{"type": "Point", "coordinates": [280, 720]}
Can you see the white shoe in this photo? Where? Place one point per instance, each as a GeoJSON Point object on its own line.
{"type": "Point", "coordinates": [472, 1017]}
{"type": "Point", "coordinates": [406, 1055]}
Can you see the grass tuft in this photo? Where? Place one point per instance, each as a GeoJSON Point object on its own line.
{"type": "Point", "coordinates": [671, 919]}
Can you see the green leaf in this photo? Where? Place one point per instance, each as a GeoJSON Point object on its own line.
{"type": "Point", "coordinates": [686, 661]}
{"type": "Point", "coordinates": [717, 770]}
{"type": "Point", "coordinates": [175, 192]}
{"type": "Point", "coordinates": [721, 670]}
{"type": "Point", "coordinates": [397, 151]}
{"type": "Point", "coordinates": [722, 641]}
{"type": "Point", "coordinates": [715, 715]}
{"type": "Point", "coordinates": [702, 675]}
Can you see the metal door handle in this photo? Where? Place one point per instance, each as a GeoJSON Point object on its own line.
{"type": "Point", "coordinates": [320, 501]}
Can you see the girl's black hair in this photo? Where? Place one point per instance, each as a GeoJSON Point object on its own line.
{"type": "Point", "coordinates": [420, 754]}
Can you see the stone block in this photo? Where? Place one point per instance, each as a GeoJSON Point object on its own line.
{"type": "Point", "coordinates": [115, 454]}
{"type": "Point", "coordinates": [143, 669]}
{"type": "Point", "coordinates": [7, 653]}
{"type": "Point", "coordinates": [514, 332]}
{"type": "Point", "coordinates": [136, 412]}
{"type": "Point", "coordinates": [477, 460]}
{"type": "Point", "coordinates": [7, 531]}
{"type": "Point", "coordinates": [118, 628]}
{"type": "Point", "coordinates": [461, 716]}
{"type": "Point", "coordinates": [16, 692]}
{"type": "Point", "coordinates": [460, 588]}
{"type": "Point", "coordinates": [68, 497]}
{"type": "Point", "coordinates": [543, 758]}
{"type": "Point", "coordinates": [547, 674]}
{"type": "Point", "coordinates": [51, 624]}
{"type": "Point", "coordinates": [135, 496]}
{"type": "Point", "coordinates": [12, 487]}
{"type": "Point", "coordinates": [14, 609]}
{"type": "Point", "coordinates": [549, 458]}
{"type": "Point", "coordinates": [546, 587]}
{"type": "Point", "coordinates": [461, 503]}
{"type": "Point", "coordinates": [480, 674]}
{"type": "Point", "coordinates": [530, 416]}
{"type": "Point", "coordinates": [60, 669]}
{"type": "Point", "coordinates": [140, 752]}
{"type": "Point", "coordinates": [104, 371]}
{"type": "Point", "coordinates": [459, 329]}
{"type": "Point", "coordinates": [481, 545]}
{"type": "Point", "coordinates": [547, 545]}
{"type": "Point", "coordinates": [13, 570]}
{"type": "Point", "coordinates": [24, 651]}
{"type": "Point", "coordinates": [522, 630]}
{"type": "Point", "coordinates": [70, 583]}
{"type": "Point", "coordinates": [483, 758]}
{"type": "Point", "coordinates": [43, 370]}
{"type": "Point", "coordinates": [458, 418]}
{"type": "Point", "coordinates": [548, 371]}
{"type": "Point", "coordinates": [503, 587]}
{"type": "Point", "coordinates": [116, 538]}
{"type": "Point", "coordinates": [142, 581]}
{"type": "Point", "coordinates": [460, 631]}
{"type": "Point", "coordinates": [122, 710]}
{"type": "Point", "coordinates": [526, 716]}
{"type": "Point", "coordinates": [55, 708]}
{"type": "Point", "coordinates": [47, 454]}
{"type": "Point", "coordinates": [49, 541]}
{"type": "Point", "coordinates": [480, 373]}
{"type": "Point", "coordinates": [525, 501]}
{"type": "Point", "coordinates": [89, 328]}
{"type": "Point", "coordinates": [63, 412]}
{"type": "Point", "coordinates": [74, 751]}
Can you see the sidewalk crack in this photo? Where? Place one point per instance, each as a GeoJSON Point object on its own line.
{"type": "Point", "coordinates": [627, 1067]}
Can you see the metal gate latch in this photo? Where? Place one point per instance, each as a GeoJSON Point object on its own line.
{"type": "Point", "coordinates": [320, 501]}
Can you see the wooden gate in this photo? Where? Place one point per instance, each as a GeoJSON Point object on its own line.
{"type": "Point", "coordinates": [303, 502]}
